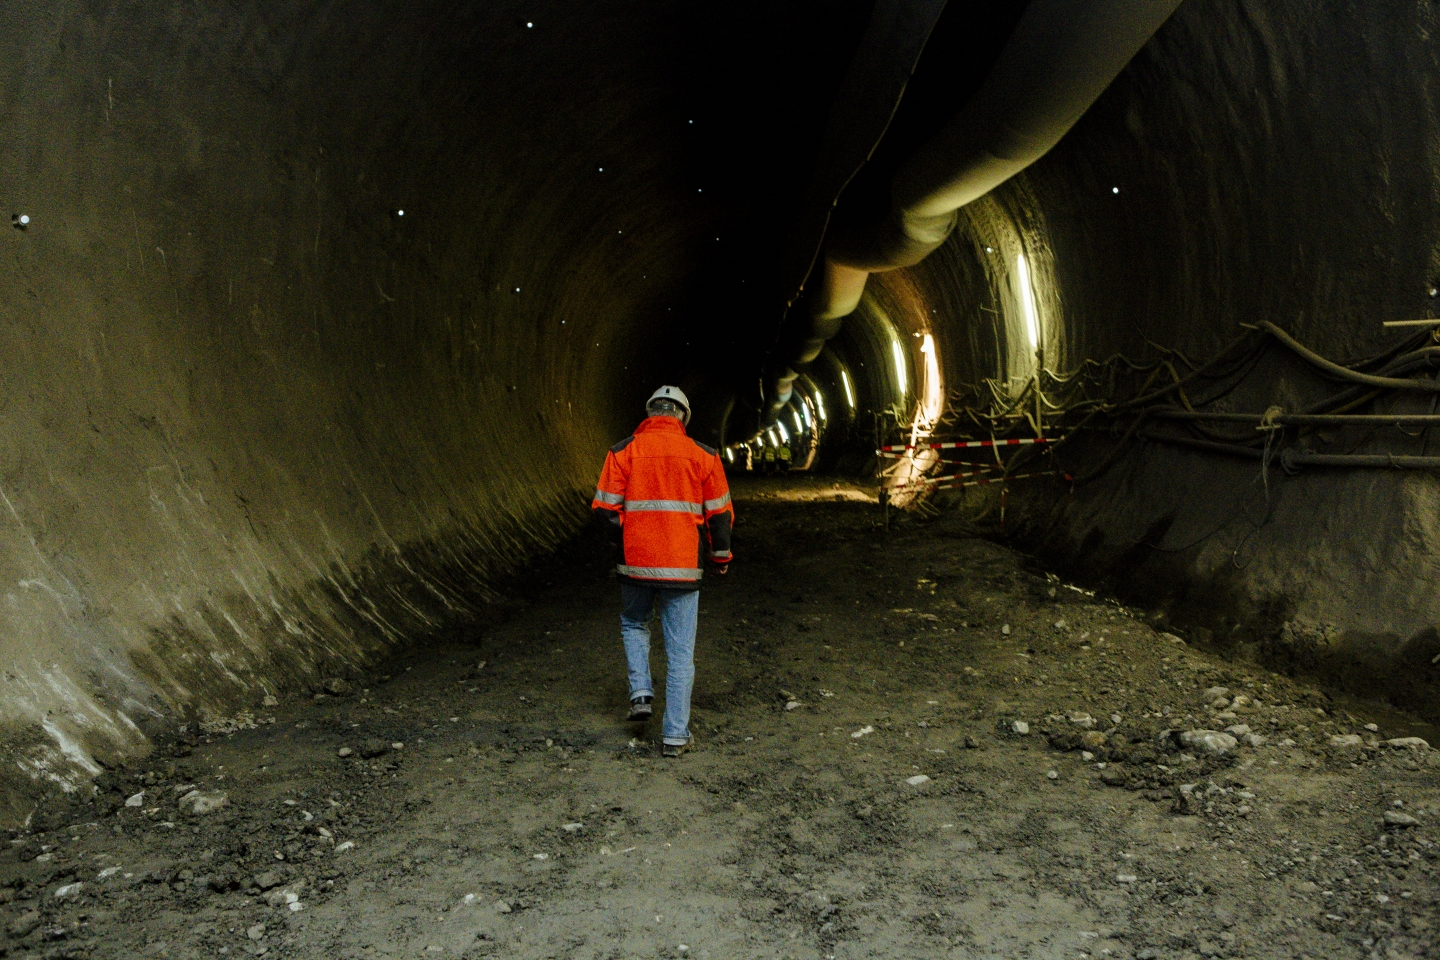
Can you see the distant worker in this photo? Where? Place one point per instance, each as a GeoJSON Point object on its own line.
{"type": "Point", "coordinates": [657, 490]}
{"type": "Point", "coordinates": [769, 461]}
{"type": "Point", "coordinates": [782, 458]}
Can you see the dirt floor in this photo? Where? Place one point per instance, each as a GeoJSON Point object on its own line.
{"type": "Point", "coordinates": [862, 785]}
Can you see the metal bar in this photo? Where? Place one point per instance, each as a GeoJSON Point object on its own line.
{"type": "Point", "coordinates": [1411, 323]}
{"type": "Point", "coordinates": [1306, 459]}
{"type": "Point", "coordinates": [1301, 419]}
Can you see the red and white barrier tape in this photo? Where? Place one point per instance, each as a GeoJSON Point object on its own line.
{"type": "Point", "coordinates": [968, 444]}
{"type": "Point", "coordinates": [928, 481]}
{"type": "Point", "coordinates": [984, 480]}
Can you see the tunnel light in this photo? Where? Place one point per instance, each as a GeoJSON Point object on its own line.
{"type": "Point", "coordinates": [900, 376]}
{"type": "Point", "coordinates": [729, 454]}
{"type": "Point", "coordinates": [799, 427]}
{"type": "Point", "coordinates": [849, 393]}
{"type": "Point", "coordinates": [1027, 300]}
{"type": "Point", "coordinates": [805, 412]}
{"type": "Point", "coordinates": [933, 399]}
{"type": "Point", "coordinates": [1114, 189]}
{"type": "Point", "coordinates": [820, 405]}
{"type": "Point", "coordinates": [529, 25]}
{"type": "Point", "coordinates": [399, 213]}
{"type": "Point", "coordinates": [774, 439]}
{"type": "Point", "coordinates": [784, 435]}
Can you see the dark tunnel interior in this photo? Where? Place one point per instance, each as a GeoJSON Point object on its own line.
{"type": "Point", "coordinates": [318, 317]}
{"type": "Point", "coordinates": [316, 302]}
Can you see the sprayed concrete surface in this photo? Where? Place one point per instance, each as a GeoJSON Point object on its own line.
{"type": "Point", "coordinates": [859, 787]}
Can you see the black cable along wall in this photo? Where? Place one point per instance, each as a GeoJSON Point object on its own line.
{"type": "Point", "coordinates": [1271, 165]}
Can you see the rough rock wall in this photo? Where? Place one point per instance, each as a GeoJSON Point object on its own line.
{"type": "Point", "coordinates": [1273, 161]}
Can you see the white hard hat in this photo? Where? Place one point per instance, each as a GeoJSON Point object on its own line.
{"type": "Point", "coordinates": [674, 395]}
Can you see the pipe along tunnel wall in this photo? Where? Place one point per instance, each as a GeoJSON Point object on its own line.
{"type": "Point", "coordinates": [259, 425]}
{"type": "Point", "coordinates": [1248, 165]}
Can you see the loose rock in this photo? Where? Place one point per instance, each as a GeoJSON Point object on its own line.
{"type": "Point", "coordinates": [268, 879]}
{"type": "Point", "coordinates": [918, 780]}
{"type": "Point", "coordinates": [200, 802]}
{"type": "Point", "coordinates": [1397, 818]}
{"type": "Point", "coordinates": [257, 932]}
{"type": "Point", "coordinates": [1020, 727]}
{"type": "Point", "coordinates": [1211, 741]}
{"type": "Point", "coordinates": [1408, 743]}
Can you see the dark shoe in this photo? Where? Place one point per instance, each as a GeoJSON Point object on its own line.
{"type": "Point", "coordinates": [673, 749]}
{"type": "Point", "coordinates": [640, 709]}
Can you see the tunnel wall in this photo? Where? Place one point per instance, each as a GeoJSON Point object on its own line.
{"type": "Point", "coordinates": [258, 427]}
{"type": "Point", "coordinates": [1276, 162]}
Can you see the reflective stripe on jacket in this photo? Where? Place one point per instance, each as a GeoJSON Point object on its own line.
{"type": "Point", "coordinates": [660, 488]}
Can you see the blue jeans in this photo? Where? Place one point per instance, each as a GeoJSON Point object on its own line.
{"type": "Point", "coordinates": [679, 613]}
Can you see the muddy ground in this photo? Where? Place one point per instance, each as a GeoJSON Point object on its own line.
{"type": "Point", "coordinates": [859, 786]}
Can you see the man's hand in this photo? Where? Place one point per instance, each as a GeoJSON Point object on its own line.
{"type": "Point", "coordinates": [719, 569]}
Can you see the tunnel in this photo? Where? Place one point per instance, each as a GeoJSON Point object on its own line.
{"type": "Point", "coordinates": [319, 318]}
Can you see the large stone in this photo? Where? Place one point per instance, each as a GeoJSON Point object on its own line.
{"type": "Point", "coordinates": [199, 802]}
{"type": "Point", "coordinates": [1212, 742]}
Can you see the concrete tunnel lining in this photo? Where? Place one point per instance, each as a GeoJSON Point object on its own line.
{"type": "Point", "coordinates": [261, 426]}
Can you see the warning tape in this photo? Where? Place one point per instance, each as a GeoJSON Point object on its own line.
{"type": "Point", "coordinates": [927, 481]}
{"type": "Point", "coordinates": [1014, 476]}
{"type": "Point", "coordinates": [967, 444]}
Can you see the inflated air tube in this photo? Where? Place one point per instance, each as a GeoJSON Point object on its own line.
{"type": "Point", "coordinates": [1061, 57]}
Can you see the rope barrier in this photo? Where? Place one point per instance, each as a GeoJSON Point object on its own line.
{"type": "Point", "coordinates": [1016, 476]}
{"type": "Point", "coordinates": [927, 481]}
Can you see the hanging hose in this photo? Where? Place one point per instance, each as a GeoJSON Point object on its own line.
{"type": "Point", "coordinates": [1345, 373]}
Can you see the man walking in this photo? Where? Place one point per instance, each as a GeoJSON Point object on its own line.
{"type": "Point", "coordinates": [657, 490]}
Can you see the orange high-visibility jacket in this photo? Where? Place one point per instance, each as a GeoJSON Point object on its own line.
{"type": "Point", "coordinates": [659, 488]}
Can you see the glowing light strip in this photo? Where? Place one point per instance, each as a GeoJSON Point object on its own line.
{"type": "Point", "coordinates": [849, 394]}
{"type": "Point", "coordinates": [900, 367]}
{"type": "Point", "coordinates": [1027, 299]}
